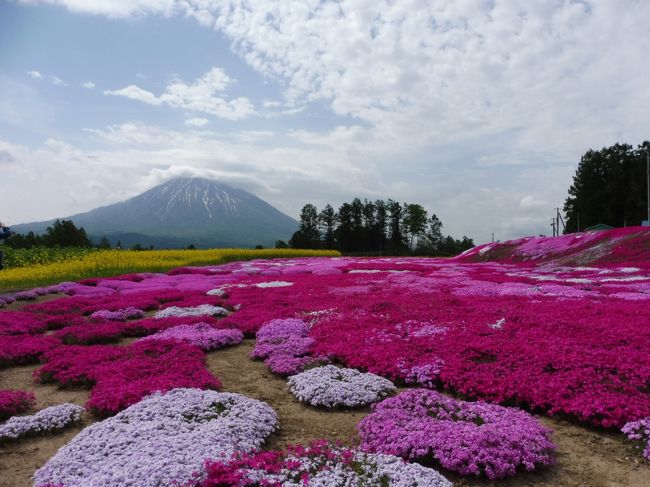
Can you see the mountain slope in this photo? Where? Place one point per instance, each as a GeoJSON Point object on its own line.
{"type": "Point", "coordinates": [185, 211]}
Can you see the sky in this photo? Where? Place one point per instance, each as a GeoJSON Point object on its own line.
{"type": "Point", "coordinates": [477, 109]}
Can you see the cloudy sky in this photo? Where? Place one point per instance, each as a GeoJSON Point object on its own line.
{"type": "Point", "coordinates": [477, 109]}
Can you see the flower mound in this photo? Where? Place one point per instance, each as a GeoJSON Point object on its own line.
{"type": "Point", "coordinates": [330, 386]}
{"type": "Point", "coordinates": [161, 440]}
{"type": "Point", "coordinates": [471, 438]}
{"type": "Point", "coordinates": [118, 315]}
{"type": "Point", "coordinates": [201, 335]}
{"type": "Point", "coordinates": [320, 464]}
{"type": "Point", "coordinates": [284, 345]}
{"type": "Point", "coordinates": [121, 376]}
{"type": "Point", "coordinates": [201, 310]}
{"type": "Point", "coordinates": [14, 402]}
{"type": "Point", "coordinates": [48, 420]}
{"type": "Point", "coordinates": [639, 431]}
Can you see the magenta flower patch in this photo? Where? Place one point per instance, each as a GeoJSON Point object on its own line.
{"type": "Point", "coordinates": [13, 402]}
{"type": "Point", "coordinates": [319, 464]}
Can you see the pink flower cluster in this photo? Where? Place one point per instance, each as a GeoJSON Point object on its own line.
{"type": "Point", "coordinates": [14, 402]}
{"type": "Point", "coordinates": [471, 438]}
{"type": "Point", "coordinates": [319, 464]}
{"type": "Point", "coordinates": [121, 376]}
{"type": "Point", "coordinates": [24, 349]}
{"type": "Point", "coordinates": [284, 345]}
{"type": "Point", "coordinates": [18, 322]}
{"type": "Point", "coordinates": [527, 328]}
{"type": "Point", "coordinates": [619, 246]}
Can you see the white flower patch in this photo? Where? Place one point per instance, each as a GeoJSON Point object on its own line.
{"type": "Point", "coordinates": [202, 310]}
{"type": "Point", "coordinates": [363, 469]}
{"type": "Point", "coordinates": [498, 325]}
{"type": "Point", "coordinates": [161, 440]}
{"type": "Point", "coordinates": [629, 270]}
{"type": "Point", "coordinates": [273, 284]}
{"type": "Point", "coordinates": [365, 271]}
{"type": "Point", "coordinates": [48, 420]}
{"type": "Point", "coordinates": [222, 290]}
{"type": "Point", "coordinates": [216, 292]}
{"type": "Point", "coordinates": [625, 279]}
{"type": "Point", "coordinates": [484, 249]}
{"type": "Point", "coordinates": [330, 386]}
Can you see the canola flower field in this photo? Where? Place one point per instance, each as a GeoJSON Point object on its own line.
{"type": "Point", "coordinates": [78, 264]}
{"type": "Point", "coordinates": [14, 258]}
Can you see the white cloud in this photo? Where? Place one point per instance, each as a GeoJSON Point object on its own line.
{"type": "Point", "coordinates": [88, 84]}
{"type": "Point", "coordinates": [199, 96]}
{"type": "Point", "coordinates": [531, 203]}
{"type": "Point", "coordinates": [479, 109]}
{"type": "Point", "coordinates": [134, 92]}
{"type": "Point", "coordinates": [55, 80]}
{"type": "Point", "coordinates": [196, 122]}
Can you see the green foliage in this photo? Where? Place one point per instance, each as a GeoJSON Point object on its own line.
{"type": "Point", "coordinates": [62, 233]}
{"type": "Point", "coordinates": [281, 244]}
{"type": "Point", "coordinates": [308, 235]}
{"type": "Point", "coordinates": [104, 244]}
{"type": "Point", "coordinates": [608, 187]}
{"type": "Point", "coordinates": [379, 227]}
{"type": "Point", "coordinates": [15, 258]}
{"type": "Point", "coordinates": [65, 234]}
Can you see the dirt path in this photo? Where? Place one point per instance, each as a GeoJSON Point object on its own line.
{"type": "Point", "coordinates": [585, 457]}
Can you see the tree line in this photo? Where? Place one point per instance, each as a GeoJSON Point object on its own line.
{"type": "Point", "coordinates": [608, 187]}
{"type": "Point", "coordinates": [373, 227]}
{"type": "Point", "coordinates": [62, 233]}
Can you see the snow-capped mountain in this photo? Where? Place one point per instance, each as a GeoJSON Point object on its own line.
{"type": "Point", "coordinates": [184, 211]}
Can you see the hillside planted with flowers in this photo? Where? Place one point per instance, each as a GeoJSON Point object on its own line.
{"type": "Point", "coordinates": [608, 248]}
{"type": "Point", "coordinates": [529, 332]}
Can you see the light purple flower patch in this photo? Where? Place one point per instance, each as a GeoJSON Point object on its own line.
{"type": "Point", "coordinates": [201, 310]}
{"type": "Point", "coordinates": [48, 420]}
{"type": "Point", "coordinates": [161, 440]}
{"type": "Point", "coordinates": [471, 438]}
{"type": "Point", "coordinates": [285, 345]}
{"type": "Point", "coordinates": [639, 431]}
{"type": "Point", "coordinates": [201, 335]}
{"type": "Point", "coordinates": [118, 315]}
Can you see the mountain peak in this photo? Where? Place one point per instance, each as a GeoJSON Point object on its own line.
{"type": "Point", "coordinates": [183, 211]}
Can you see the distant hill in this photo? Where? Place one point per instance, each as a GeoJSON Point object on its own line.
{"type": "Point", "coordinates": [620, 246]}
{"type": "Point", "coordinates": [184, 211]}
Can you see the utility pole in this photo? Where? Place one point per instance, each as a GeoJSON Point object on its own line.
{"type": "Point", "coordinates": [553, 225]}
{"type": "Point", "coordinates": [647, 173]}
{"type": "Point", "coordinates": [492, 237]}
{"type": "Point", "coordinates": [559, 219]}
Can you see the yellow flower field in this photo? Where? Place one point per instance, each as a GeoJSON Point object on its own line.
{"type": "Point", "coordinates": [114, 262]}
